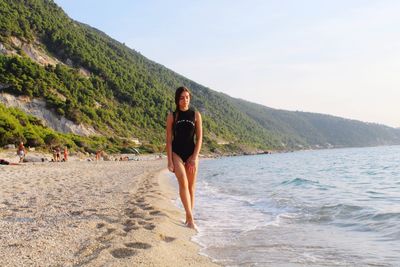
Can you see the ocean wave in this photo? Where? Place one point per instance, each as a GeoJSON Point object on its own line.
{"type": "Point", "coordinates": [330, 213]}
{"type": "Point", "coordinates": [386, 216]}
{"type": "Point", "coordinates": [392, 235]}
{"type": "Point", "coordinates": [299, 181]}
{"type": "Point", "coordinates": [215, 174]}
{"type": "Point", "coordinates": [207, 188]}
{"type": "Point", "coordinates": [372, 192]}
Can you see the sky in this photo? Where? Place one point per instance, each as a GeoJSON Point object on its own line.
{"type": "Point", "coordinates": [338, 57]}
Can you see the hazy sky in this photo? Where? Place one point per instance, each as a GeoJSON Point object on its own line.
{"type": "Point", "coordinates": [338, 57]}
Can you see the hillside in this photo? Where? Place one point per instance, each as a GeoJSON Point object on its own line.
{"type": "Point", "coordinates": [319, 130]}
{"type": "Point", "coordinates": [86, 77]}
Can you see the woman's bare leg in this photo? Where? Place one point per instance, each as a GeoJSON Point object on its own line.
{"type": "Point", "coordinates": [180, 173]}
{"type": "Point", "coordinates": [192, 184]}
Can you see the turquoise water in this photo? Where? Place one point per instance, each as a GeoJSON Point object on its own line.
{"type": "Point", "coordinates": [338, 207]}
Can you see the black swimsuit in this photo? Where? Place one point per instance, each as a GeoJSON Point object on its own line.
{"type": "Point", "coordinates": [184, 129]}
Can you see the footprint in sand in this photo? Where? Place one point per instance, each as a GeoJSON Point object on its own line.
{"type": "Point", "coordinates": [76, 212]}
{"type": "Point", "coordinates": [142, 205]}
{"type": "Point", "coordinates": [167, 239]}
{"type": "Point", "coordinates": [110, 230]}
{"type": "Point", "coordinates": [156, 212]}
{"type": "Point", "coordinates": [91, 210]}
{"type": "Point", "coordinates": [7, 203]}
{"type": "Point", "coordinates": [130, 225]}
{"type": "Point", "coordinates": [148, 208]}
{"type": "Point", "coordinates": [100, 225]}
{"type": "Point", "coordinates": [131, 209]}
{"type": "Point", "coordinates": [140, 200]}
{"type": "Point", "coordinates": [15, 245]}
{"type": "Point", "coordinates": [127, 229]}
{"type": "Point", "coordinates": [106, 237]}
{"type": "Point", "coordinates": [122, 253]}
{"type": "Point", "coordinates": [131, 214]}
{"type": "Point", "coordinates": [138, 245]}
{"type": "Point", "coordinates": [149, 226]}
{"type": "Point", "coordinates": [142, 222]}
{"type": "Point", "coordinates": [89, 253]}
{"type": "Point", "coordinates": [129, 222]}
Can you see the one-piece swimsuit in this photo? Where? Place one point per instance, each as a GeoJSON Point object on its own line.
{"type": "Point", "coordinates": [184, 130]}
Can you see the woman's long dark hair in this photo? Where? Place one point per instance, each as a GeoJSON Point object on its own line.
{"type": "Point", "coordinates": [178, 93]}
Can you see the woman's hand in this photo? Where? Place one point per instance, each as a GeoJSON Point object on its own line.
{"type": "Point", "coordinates": [171, 167]}
{"type": "Point", "coordinates": [192, 163]}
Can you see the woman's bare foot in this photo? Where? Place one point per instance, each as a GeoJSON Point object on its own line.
{"type": "Point", "coordinates": [192, 225]}
{"type": "Point", "coordinates": [188, 219]}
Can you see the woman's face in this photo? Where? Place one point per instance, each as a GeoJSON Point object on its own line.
{"type": "Point", "coordinates": [184, 101]}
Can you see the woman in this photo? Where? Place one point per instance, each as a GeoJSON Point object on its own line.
{"type": "Point", "coordinates": [182, 151]}
{"type": "Point", "coordinates": [21, 152]}
{"type": "Point", "coordinates": [65, 154]}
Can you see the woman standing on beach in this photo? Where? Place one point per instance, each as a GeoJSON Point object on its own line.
{"type": "Point", "coordinates": [21, 152]}
{"type": "Point", "coordinates": [182, 151]}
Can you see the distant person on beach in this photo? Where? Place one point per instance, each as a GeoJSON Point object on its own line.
{"type": "Point", "coordinates": [182, 152]}
{"type": "Point", "coordinates": [56, 154]}
{"type": "Point", "coordinates": [99, 154]}
{"type": "Point", "coordinates": [21, 152]}
{"type": "Point", "coordinates": [65, 154]}
{"type": "Point", "coordinates": [5, 162]}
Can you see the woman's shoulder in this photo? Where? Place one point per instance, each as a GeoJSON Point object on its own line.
{"type": "Point", "coordinates": [171, 112]}
{"type": "Point", "coordinates": [195, 111]}
{"type": "Point", "coordinates": [171, 115]}
{"type": "Point", "coordinates": [196, 115]}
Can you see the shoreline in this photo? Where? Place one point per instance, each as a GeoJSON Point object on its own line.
{"type": "Point", "coordinates": [93, 213]}
{"type": "Point", "coordinates": [174, 223]}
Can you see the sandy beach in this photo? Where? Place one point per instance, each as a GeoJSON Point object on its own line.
{"type": "Point", "coordinates": [82, 213]}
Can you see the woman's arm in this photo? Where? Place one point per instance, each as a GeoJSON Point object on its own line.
{"type": "Point", "coordinates": [199, 135]}
{"type": "Point", "coordinates": [199, 141]}
{"type": "Point", "coordinates": [170, 121]}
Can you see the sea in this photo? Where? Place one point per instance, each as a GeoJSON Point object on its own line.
{"type": "Point", "coordinates": [334, 207]}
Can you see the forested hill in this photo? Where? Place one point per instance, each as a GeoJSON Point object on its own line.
{"type": "Point", "coordinates": [319, 129]}
{"type": "Point", "coordinates": [85, 76]}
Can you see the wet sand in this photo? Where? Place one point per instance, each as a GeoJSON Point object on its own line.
{"type": "Point", "coordinates": [82, 213]}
